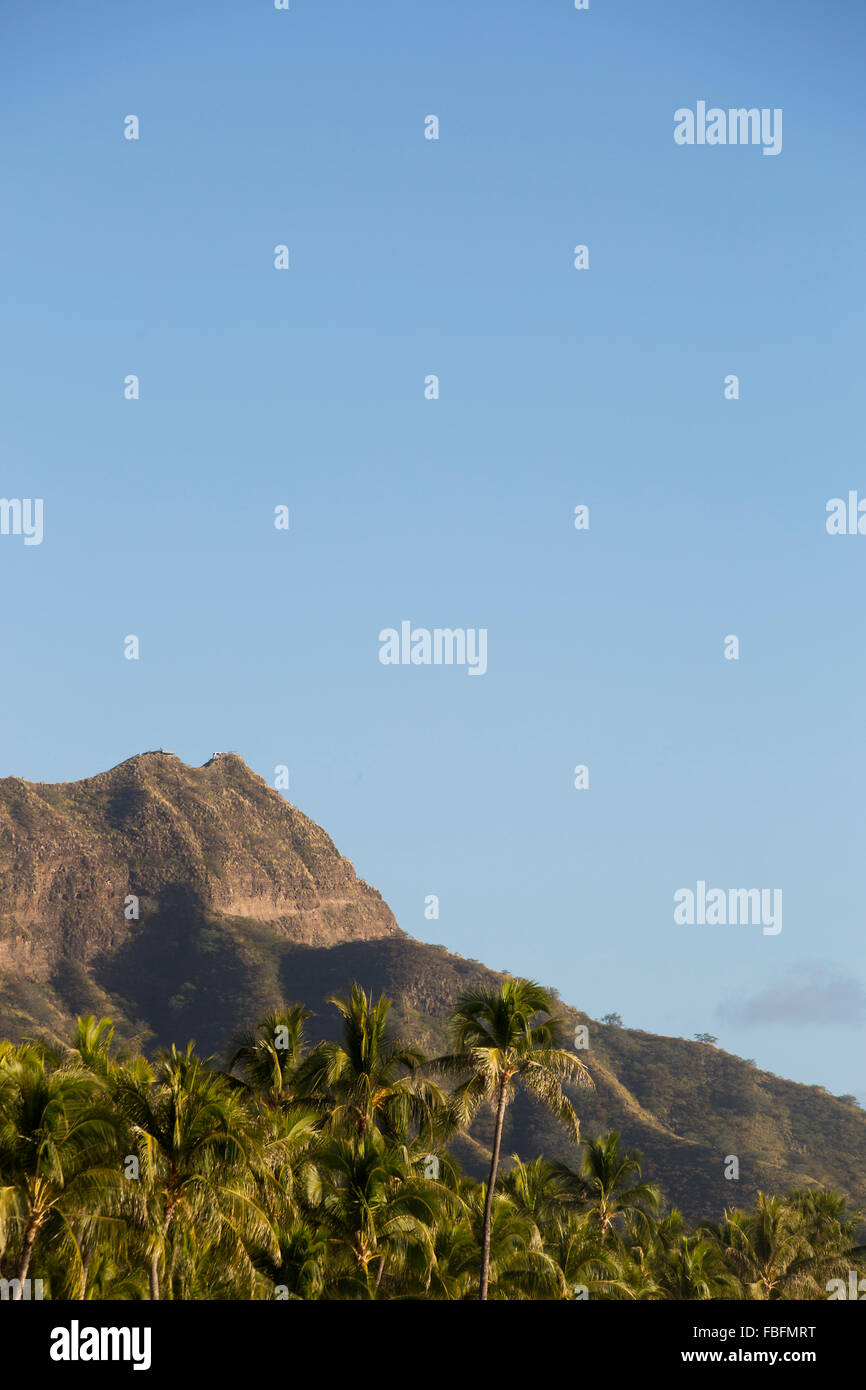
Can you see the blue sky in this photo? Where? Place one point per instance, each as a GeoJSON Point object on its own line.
{"type": "Point", "coordinates": [557, 387]}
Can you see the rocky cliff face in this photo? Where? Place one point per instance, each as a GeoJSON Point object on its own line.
{"type": "Point", "coordinates": [214, 841]}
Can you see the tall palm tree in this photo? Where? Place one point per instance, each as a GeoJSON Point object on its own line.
{"type": "Point", "coordinates": [502, 1037]}
{"type": "Point", "coordinates": [57, 1141]}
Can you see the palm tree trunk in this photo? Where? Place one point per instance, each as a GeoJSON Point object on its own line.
{"type": "Point", "coordinates": [491, 1183]}
{"type": "Point", "coordinates": [168, 1213]}
{"type": "Point", "coordinates": [26, 1252]}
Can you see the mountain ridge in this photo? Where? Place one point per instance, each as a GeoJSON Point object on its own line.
{"type": "Point", "coordinates": [243, 900]}
{"type": "Point", "coordinates": [152, 828]}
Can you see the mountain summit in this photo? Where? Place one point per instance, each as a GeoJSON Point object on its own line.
{"type": "Point", "coordinates": [82, 862]}
{"type": "Point", "coordinates": [185, 902]}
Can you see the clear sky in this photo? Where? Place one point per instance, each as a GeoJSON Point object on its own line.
{"type": "Point", "coordinates": [558, 387]}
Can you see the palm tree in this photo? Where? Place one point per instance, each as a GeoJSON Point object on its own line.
{"type": "Point", "coordinates": [291, 1144]}
{"type": "Point", "coordinates": [760, 1247]}
{"type": "Point", "coordinates": [114, 1279]}
{"type": "Point", "coordinates": [542, 1190]}
{"type": "Point", "coordinates": [370, 1079]}
{"type": "Point", "coordinates": [787, 1246]}
{"type": "Point", "coordinates": [298, 1267]}
{"type": "Point", "coordinates": [612, 1181]}
{"type": "Point", "coordinates": [377, 1211]}
{"type": "Point", "coordinates": [57, 1137]}
{"type": "Point", "coordinates": [198, 1145]}
{"type": "Point", "coordinates": [269, 1054]}
{"type": "Point", "coordinates": [694, 1269]}
{"type": "Point", "coordinates": [503, 1036]}
{"type": "Point", "coordinates": [455, 1259]}
{"type": "Point", "coordinates": [519, 1266]}
{"type": "Point", "coordinates": [586, 1263]}
{"type": "Point", "coordinates": [831, 1245]}
{"type": "Point", "coordinates": [90, 1047]}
